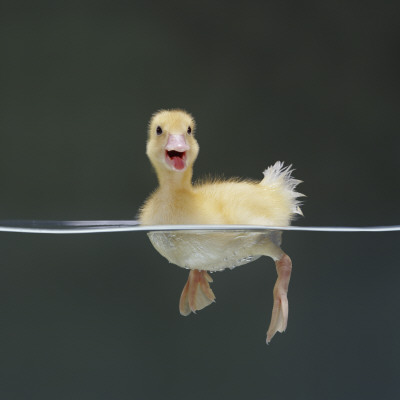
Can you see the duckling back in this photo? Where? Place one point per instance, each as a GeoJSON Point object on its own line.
{"type": "Point", "coordinates": [272, 202]}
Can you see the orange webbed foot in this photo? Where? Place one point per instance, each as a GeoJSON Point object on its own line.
{"type": "Point", "coordinates": [197, 293]}
{"type": "Point", "coordinates": [280, 310]}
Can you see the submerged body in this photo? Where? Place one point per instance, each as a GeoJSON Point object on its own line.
{"type": "Point", "coordinates": [172, 150]}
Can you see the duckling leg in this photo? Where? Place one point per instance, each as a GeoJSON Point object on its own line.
{"type": "Point", "coordinates": [197, 293]}
{"type": "Point", "coordinates": [280, 308]}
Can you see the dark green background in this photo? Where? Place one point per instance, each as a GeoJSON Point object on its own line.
{"type": "Point", "coordinates": [315, 84]}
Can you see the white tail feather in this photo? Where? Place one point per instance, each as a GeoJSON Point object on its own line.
{"type": "Point", "coordinates": [280, 177]}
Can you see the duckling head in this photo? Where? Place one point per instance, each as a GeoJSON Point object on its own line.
{"type": "Point", "coordinates": [171, 145]}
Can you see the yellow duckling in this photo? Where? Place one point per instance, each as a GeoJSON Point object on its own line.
{"type": "Point", "coordinates": [172, 150]}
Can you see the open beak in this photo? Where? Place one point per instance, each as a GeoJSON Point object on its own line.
{"type": "Point", "coordinates": [175, 152]}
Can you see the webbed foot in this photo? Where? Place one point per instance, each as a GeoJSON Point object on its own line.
{"type": "Point", "coordinates": [197, 293]}
{"type": "Point", "coordinates": [280, 310]}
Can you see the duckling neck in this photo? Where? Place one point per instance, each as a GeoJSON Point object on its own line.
{"type": "Point", "coordinates": [173, 180]}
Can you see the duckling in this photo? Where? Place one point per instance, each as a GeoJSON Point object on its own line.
{"type": "Point", "coordinates": [172, 150]}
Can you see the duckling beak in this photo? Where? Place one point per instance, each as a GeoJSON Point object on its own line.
{"type": "Point", "coordinates": [177, 143]}
{"type": "Point", "coordinates": [175, 152]}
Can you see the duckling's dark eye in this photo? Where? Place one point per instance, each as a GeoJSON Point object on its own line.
{"type": "Point", "coordinates": [189, 131]}
{"type": "Point", "coordinates": [159, 130]}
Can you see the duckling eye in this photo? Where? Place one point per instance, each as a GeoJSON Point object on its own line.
{"type": "Point", "coordinates": [189, 131]}
{"type": "Point", "coordinates": [159, 130]}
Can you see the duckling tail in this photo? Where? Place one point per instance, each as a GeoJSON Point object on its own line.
{"type": "Point", "coordinates": [197, 293]}
{"type": "Point", "coordinates": [279, 177]}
